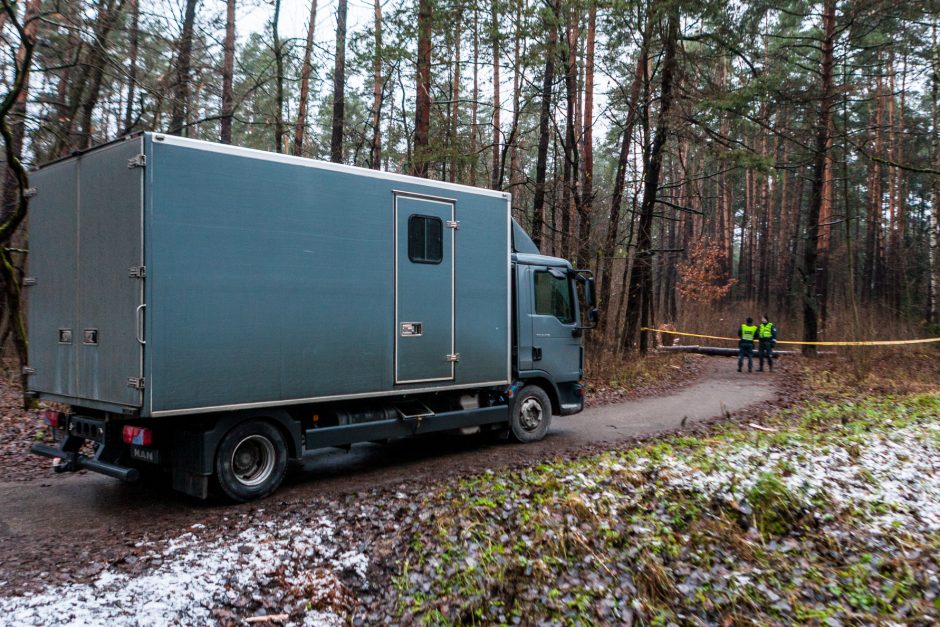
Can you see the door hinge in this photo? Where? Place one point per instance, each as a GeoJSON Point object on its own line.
{"type": "Point", "coordinates": [29, 281]}
{"type": "Point", "coordinates": [137, 161]}
{"type": "Point", "coordinates": [29, 370]}
{"type": "Point", "coordinates": [455, 357]}
{"type": "Point", "coordinates": [136, 382]}
{"type": "Point", "coordinates": [137, 272]}
{"type": "Point", "coordinates": [453, 224]}
{"type": "Point", "coordinates": [29, 192]}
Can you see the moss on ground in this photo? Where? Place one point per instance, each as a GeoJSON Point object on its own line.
{"type": "Point", "coordinates": [731, 526]}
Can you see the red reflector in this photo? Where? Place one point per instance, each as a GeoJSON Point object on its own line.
{"type": "Point", "coordinates": [138, 436]}
{"type": "Point", "coordinates": [53, 418]}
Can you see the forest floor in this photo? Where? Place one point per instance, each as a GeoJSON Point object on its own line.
{"type": "Point", "coordinates": [820, 504]}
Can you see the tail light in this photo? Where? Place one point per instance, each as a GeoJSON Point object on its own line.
{"type": "Point", "coordinates": [138, 436]}
{"type": "Point", "coordinates": [53, 418]}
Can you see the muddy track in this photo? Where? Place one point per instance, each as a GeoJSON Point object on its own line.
{"type": "Point", "coordinates": [68, 528]}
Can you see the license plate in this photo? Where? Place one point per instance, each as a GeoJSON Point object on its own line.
{"type": "Point", "coordinates": [145, 455]}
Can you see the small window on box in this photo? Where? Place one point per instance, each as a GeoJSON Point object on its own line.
{"type": "Point", "coordinates": [425, 239]}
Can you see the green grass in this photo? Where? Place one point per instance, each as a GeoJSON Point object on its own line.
{"type": "Point", "coordinates": [592, 539]}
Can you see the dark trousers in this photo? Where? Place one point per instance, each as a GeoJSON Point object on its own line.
{"type": "Point", "coordinates": [746, 349]}
{"type": "Point", "coordinates": [765, 349]}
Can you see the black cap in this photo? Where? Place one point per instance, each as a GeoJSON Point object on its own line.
{"type": "Point", "coordinates": [750, 320]}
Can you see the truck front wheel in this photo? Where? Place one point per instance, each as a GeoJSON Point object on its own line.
{"type": "Point", "coordinates": [251, 461]}
{"type": "Point", "coordinates": [531, 414]}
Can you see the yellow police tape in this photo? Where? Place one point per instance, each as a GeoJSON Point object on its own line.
{"type": "Point", "coordinates": [868, 343]}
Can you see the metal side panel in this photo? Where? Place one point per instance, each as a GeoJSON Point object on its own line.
{"type": "Point", "coordinates": [110, 243]}
{"type": "Point", "coordinates": [270, 280]}
{"type": "Point", "coordinates": [53, 265]}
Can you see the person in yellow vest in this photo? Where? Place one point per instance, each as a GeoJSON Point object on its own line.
{"type": "Point", "coordinates": [766, 338]}
{"type": "Point", "coordinates": [746, 335]}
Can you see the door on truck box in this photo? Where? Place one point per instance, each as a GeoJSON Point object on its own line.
{"type": "Point", "coordinates": [424, 289]}
{"type": "Point", "coordinates": [86, 307]}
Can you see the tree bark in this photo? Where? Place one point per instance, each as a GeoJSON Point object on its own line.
{"type": "Point", "coordinates": [823, 146]}
{"type": "Point", "coordinates": [933, 298]}
{"type": "Point", "coordinates": [640, 294]}
{"type": "Point", "coordinates": [455, 101]}
{"type": "Point", "coordinates": [339, 85]}
{"type": "Point", "coordinates": [494, 32]}
{"type": "Point", "coordinates": [279, 130]}
{"type": "Point", "coordinates": [541, 164]}
{"type": "Point", "coordinates": [569, 190]}
{"type": "Point", "coordinates": [586, 204]}
{"type": "Point", "coordinates": [228, 74]}
{"type": "Point", "coordinates": [375, 155]}
{"type": "Point", "coordinates": [300, 125]}
{"type": "Point", "coordinates": [16, 180]}
{"type": "Point", "coordinates": [423, 95]}
{"type": "Point", "coordinates": [133, 44]}
{"type": "Point", "coordinates": [183, 67]}
{"type": "Point", "coordinates": [616, 201]}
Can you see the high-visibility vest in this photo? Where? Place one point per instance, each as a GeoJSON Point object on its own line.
{"type": "Point", "coordinates": [747, 332]}
{"type": "Point", "coordinates": [766, 331]}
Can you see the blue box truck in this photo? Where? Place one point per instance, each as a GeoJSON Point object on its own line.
{"type": "Point", "coordinates": [218, 312]}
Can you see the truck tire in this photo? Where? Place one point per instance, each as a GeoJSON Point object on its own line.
{"type": "Point", "coordinates": [251, 461]}
{"type": "Point", "coordinates": [531, 415]}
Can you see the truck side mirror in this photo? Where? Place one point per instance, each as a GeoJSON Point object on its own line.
{"type": "Point", "coordinates": [590, 294]}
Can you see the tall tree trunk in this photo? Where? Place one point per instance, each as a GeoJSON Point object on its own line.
{"type": "Point", "coordinates": [375, 154]}
{"type": "Point", "coordinates": [183, 67]}
{"type": "Point", "coordinates": [108, 14]}
{"type": "Point", "coordinates": [279, 131]}
{"type": "Point", "coordinates": [586, 203]}
{"type": "Point", "coordinates": [15, 201]}
{"type": "Point", "coordinates": [515, 172]}
{"type": "Point", "coordinates": [132, 53]}
{"type": "Point", "coordinates": [228, 74]}
{"type": "Point", "coordinates": [476, 95]}
{"type": "Point", "coordinates": [640, 294]}
{"type": "Point", "coordinates": [455, 101]}
{"type": "Point", "coordinates": [823, 146]}
{"type": "Point", "coordinates": [541, 163]}
{"type": "Point", "coordinates": [569, 190]}
{"type": "Point", "coordinates": [300, 125]}
{"type": "Point", "coordinates": [616, 201]}
{"type": "Point", "coordinates": [423, 95]}
{"type": "Point", "coordinates": [934, 238]}
{"type": "Point", "coordinates": [494, 33]}
{"type": "Point", "coordinates": [339, 85]}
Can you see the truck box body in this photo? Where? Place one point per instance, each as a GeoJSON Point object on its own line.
{"type": "Point", "coordinates": [174, 276]}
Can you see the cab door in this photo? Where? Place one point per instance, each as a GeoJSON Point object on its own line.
{"type": "Point", "coordinates": [556, 339]}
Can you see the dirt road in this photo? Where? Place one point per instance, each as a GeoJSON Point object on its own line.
{"type": "Point", "coordinates": [74, 525]}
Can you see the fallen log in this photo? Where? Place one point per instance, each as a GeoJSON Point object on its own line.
{"type": "Point", "coordinates": [715, 350]}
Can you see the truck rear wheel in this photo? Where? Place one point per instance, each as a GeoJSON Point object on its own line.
{"type": "Point", "coordinates": [531, 415]}
{"type": "Point", "coordinates": [251, 461]}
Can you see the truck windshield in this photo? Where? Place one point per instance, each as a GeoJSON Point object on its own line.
{"type": "Point", "coordinates": [553, 297]}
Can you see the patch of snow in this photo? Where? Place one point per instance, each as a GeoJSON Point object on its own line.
{"type": "Point", "coordinates": [194, 577]}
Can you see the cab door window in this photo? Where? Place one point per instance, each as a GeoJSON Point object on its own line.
{"type": "Point", "coordinates": [553, 297]}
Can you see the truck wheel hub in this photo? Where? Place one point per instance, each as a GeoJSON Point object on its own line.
{"type": "Point", "coordinates": [253, 460]}
{"type": "Point", "coordinates": [530, 414]}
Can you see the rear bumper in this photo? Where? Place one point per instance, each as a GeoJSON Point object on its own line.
{"type": "Point", "coordinates": [108, 446]}
{"type": "Point", "coordinates": [74, 461]}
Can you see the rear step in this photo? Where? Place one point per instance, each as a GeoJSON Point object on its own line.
{"type": "Point", "coordinates": [73, 462]}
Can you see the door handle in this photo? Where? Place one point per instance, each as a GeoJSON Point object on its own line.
{"type": "Point", "coordinates": [140, 324]}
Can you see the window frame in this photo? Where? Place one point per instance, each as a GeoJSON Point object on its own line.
{"type": "Point", "coordinates": [440, 224]}
{"type": "Point", "coordinates": [571, 308]}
